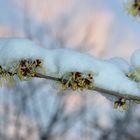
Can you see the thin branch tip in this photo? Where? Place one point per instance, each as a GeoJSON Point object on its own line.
{"type": "Point", "coordinates": [100, 90]}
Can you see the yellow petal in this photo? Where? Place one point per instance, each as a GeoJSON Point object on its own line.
{"type": "Point", "coordinates": [124, 106]}
{"type": "Point", "coordinates": [116, 105]}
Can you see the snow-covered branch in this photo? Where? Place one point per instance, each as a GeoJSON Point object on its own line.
{"type": "Point", "coordinates": [98, 89]}
{"type": "Point", "coordinates": [114, 78]}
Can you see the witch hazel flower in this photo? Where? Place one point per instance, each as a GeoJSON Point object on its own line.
{"type": "Point", "coordinates": [133, 7]}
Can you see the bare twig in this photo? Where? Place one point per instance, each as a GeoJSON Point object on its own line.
{"type": "Point", "coordinates": [117, 94]}
{"type": "Point", "coordinates": [38, 75]}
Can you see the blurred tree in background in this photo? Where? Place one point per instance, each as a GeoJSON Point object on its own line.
{"type": "Point", "coordinates": [35, 110]}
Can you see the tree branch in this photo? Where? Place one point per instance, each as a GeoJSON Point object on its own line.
{"type": "Point", "coordinates": [38, 75]}
{"type": "Point", "coordinates": [98, 89]}
{"type": "Point", "coordinates": [117, 94]}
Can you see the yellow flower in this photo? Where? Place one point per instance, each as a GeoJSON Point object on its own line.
{"type": "Point", "coordinates": [133, 7]}
{"type": "Point", "coordinates": [77, 80]}
{"type": "Point", "coordinates": [116, 105]}
{"type": "Point", "coordinates": [124, 106]}
{"type": "Point", "coordinates": [120, 104]}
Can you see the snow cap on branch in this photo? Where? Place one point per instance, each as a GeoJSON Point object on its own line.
{"type": "Point", "coordinates": [135, 58]}
{"type": "Point", "coordinates": [121, 63]}
{"type": "Point", "coordinates": [67, 60]}
{"type": "Point", "coordinates": [107, 74]}
{"type": "Point", "coordinates": [16, 49]}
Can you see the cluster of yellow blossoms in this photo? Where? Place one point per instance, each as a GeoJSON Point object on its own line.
{"type": "Point", "coordinates": [24, 69]}
{"type": "Point", "coordinates": [5, 77]}
{"type": "Point", "coordinates": [77, 80]}
{"type": "Point", "coordinates": [28, 68]}
{"type": "Point", "coordinates": [133, 7]}
{"type": "Point", "coordinates": [135, 74]}
{"type": "Point", "coordinates": [120, 104]}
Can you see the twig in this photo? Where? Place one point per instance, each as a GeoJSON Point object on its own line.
{"type": "Point", "coordinates": [38, 75]}
{"type": "Point", "coordinates": [98, 89]}
{"type": "Point", "coordinates": [101, 90]}
{"type": "Point", "coordinates": [117, 94]}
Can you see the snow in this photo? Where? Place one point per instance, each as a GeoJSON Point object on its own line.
{"type": "Point", "coordinates": [71, 60]}
{"type": "Point", "coordinates": [111, 77]}
{"type": "Point", "coordinates": [18, 48]}
{"type": "Point", "coordinates": [135, 59]}
{"type": "Point", "coordinates": [12, 49]}
{"type": "Point", "coordinates": [108, 74]}
{"type": "Point", "coordinates": [121, 63]}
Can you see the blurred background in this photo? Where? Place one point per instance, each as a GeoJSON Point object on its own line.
{"type": "Point", "coordinates": [36, 110]}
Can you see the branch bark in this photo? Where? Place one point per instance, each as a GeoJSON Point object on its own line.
{"type": "Point", "coordinates": [98, 89]}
